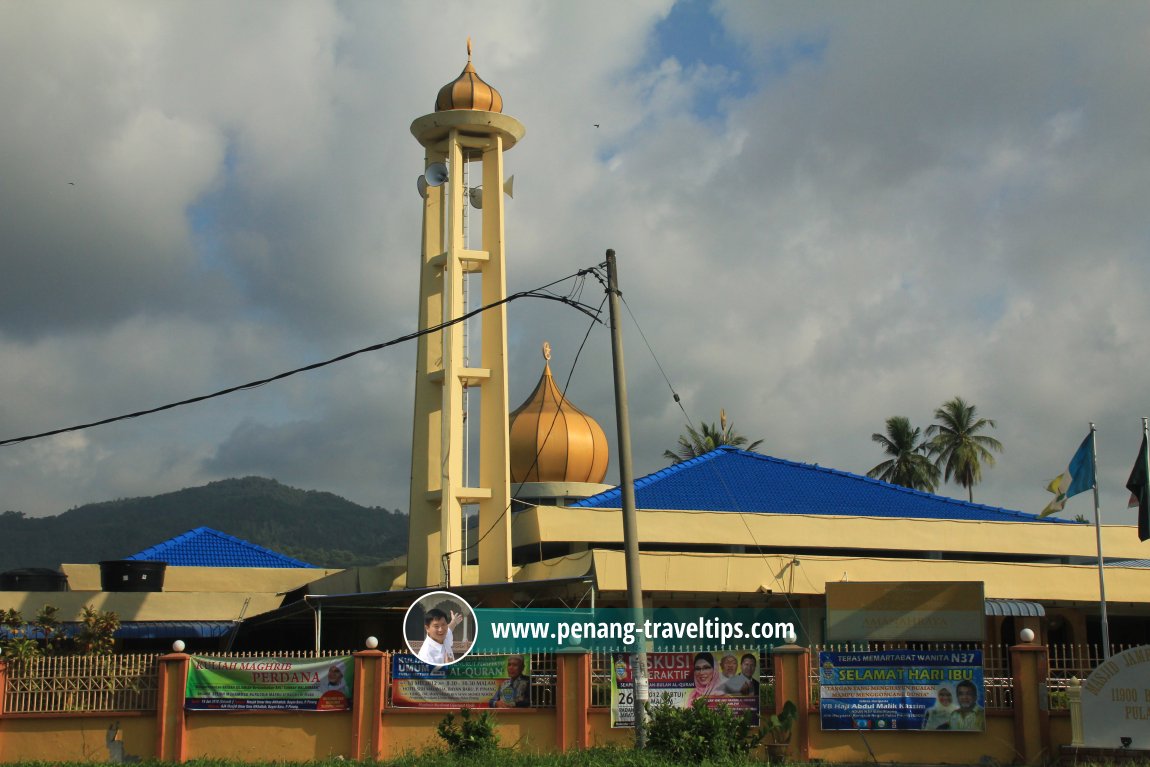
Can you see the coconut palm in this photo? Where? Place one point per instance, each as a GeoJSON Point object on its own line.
{"type": "Point", "coordinates": [957, 447]}
{"type": "Point", "coordinates": [909, 464]}
{"type": "Point", "coordinates": [707, 438]}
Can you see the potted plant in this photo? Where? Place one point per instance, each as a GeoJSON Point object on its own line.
{"type": "Point", "coordinates": [778, 731]}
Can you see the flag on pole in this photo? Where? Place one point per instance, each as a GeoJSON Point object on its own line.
{"type": "Point", "coordinates": [1139, 487]}
{"type": "Point", "coordinates": [1078, 478]}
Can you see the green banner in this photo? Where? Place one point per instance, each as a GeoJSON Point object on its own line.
{"type": "Point", "coordinates": [617, 630]}
{"type": "Point", "coordinates": [269, 684]}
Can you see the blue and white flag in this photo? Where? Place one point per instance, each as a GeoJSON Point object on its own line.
{"type": "Point", "coordinates": [1078, 478]}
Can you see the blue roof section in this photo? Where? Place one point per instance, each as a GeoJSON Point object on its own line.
{"type": "Point", "coordinates": [205, 547]}
{"type": "Point", "coordinates": [729, 479]}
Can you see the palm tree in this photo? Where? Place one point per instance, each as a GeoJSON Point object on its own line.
{"type": "Point", "coordinates": [957, 447]}
{"type": "Point", "coordinates": [695, 443]}
{"type": "Point", "coordinates": [909, 464]}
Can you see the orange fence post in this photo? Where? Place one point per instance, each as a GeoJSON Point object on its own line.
{"type": "Point", "coordinates": [171, 723]}
{"type": "Point", "coordinates": [1031, 702]}
{"type": "Point", "coordinates": [572, 697]}
{"type": "Point", "coordinates": [793, 682]}
{"type": "Point", "coordinates": [583, 701]}
{"type": "Point", "coordinates": [3, 684]}
{"type": "Point", "coordinates": [371, 673]}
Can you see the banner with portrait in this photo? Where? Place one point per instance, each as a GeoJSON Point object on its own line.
{"type": "Point", "coordinates": [940, 690]}
{"type": "Point", "coordinates": [269, 684]}
{"type": "Point", "coordinates": [725, 678]}
{"type": "Point", "coordinates": [489, 681]}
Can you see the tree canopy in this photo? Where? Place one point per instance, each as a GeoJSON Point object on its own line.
{"type": "Point", "coordinates": [909, 464]}
{"type": "Point", "coordinates": [957, 446]}
{"type": "Point", "coordinates": [698, 442]}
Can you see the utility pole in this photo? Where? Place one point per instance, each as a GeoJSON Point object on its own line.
{"type": "Point", "coordinates": [630, 520]}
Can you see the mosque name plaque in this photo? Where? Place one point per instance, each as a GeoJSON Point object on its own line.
{"type": "Point", "coordinates": [924, 611]}
{"type": "Point", "coordinates": [1116, 702]}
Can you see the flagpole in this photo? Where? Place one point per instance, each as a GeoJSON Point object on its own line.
{"type": "Point", "coordinates": [1145, 458]}
{"type": "Point", "coordinates": [1098, 537]}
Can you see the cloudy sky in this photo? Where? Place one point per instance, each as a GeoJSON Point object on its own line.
{"type": "Point", "coordinates": [826, 213]}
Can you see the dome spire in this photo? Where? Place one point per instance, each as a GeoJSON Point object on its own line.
{"type": "Point", "coordinates": [554, 441]}
{"type": "Point", "coordinates": [469, 91]}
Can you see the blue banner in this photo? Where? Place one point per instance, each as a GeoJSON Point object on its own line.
{"type": "Point", "coordinates": [902, 690]}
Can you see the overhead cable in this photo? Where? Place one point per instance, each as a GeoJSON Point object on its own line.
{"type": "Point", "coordinates": [534, 293]}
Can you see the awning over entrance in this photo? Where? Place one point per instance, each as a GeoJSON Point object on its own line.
{"type": "Point", "coordinates": [1014, 608]}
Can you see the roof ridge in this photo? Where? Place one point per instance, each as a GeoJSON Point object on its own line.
{"type": "Point", "coordinates": [172, 548]}
{"type": "Point", "coordinates": [917, 503]}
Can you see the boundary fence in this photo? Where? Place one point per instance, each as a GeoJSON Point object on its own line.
{"type": "Point", "coordinates": [129, 682]}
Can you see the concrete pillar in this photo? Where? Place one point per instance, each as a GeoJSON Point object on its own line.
{"type": "Point", "coordinates": [171, 723]}
{"type": "Point", "coordinates": [1074, 696]}
{"type": "Point", "coordinates": [572, 699]}
{"type": "Point", "coordinates": [1031, 702]}
{"type": "Point", "coordinates": [372, 669]}
{"type": "Point", "coordinates": [793, 682]}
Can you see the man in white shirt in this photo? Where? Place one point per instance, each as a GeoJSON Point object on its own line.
{"type": "Point", "coordinates": [437, 648]}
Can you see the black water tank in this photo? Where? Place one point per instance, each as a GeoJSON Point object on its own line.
{"type": "Point", "coordinates": [33, 579]}
{"type": "Point", "coordinates": [132, 575]}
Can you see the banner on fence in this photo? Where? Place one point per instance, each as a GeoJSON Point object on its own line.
{"type": "Point", "coordinates": [902, 690]}
{"type": "Point", "coordinates": [728, 677]}
{"type": "Point", "coordinates": [269, 684]}
{"type": "Point", "coordinates": [491, 681]}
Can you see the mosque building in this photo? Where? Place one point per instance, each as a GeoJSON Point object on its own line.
{"type": "Point", "coordinates": [727, 528]}
{"type": "Point", "coordinates": [508, 507]}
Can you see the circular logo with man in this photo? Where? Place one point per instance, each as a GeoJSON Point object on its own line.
{"type": "Point", "coordinates": [439, 628]}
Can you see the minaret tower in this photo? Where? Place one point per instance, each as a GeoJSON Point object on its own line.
{"type": "Point", "coordinates": [467, 129]}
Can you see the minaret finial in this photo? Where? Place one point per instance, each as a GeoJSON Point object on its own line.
{"type": "Point", "coordinates": [469, 47]}
{"type": "Point", "coordinates": [547, 351]}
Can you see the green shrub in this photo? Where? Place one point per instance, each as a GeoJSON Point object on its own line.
{"type": "Point", "coordinates": [699, 733]}
{"type": "Point", "coordinates": [470, 736]}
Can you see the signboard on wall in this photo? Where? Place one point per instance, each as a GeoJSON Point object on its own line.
{"type": "Point", "coordinates": [495, 681]}
{"type": "Point", "coordinates": [902, 690]}
{"type": "Point", "coordinates": [269, 684]}
{"type": "Point", "coordinates": [920, 611]}
{"type": "Point", "coordinates": [1116, 702]}
{"type": "Point", "coordinates": [722, 678]}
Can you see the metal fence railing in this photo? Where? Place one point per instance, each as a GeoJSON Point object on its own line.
{"type": "Point", "coordinates": [56, 684]}
{"type": "Point", "coordinates": [61, 684]}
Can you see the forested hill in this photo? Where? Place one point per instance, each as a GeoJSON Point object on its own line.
{"type": "Point", "coordinates": [320, 528]}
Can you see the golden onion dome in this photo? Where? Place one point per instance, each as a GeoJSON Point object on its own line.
{"type": "Point", "coordinates": [554, 441]}
{"type": "Point", "coordinates": [468, 91]}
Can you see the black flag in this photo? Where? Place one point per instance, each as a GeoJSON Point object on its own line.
{"type": "Point", "coordinates": [1139, 487]}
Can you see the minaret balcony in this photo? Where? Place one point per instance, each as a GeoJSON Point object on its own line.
{"type": "Point", "coordinates": [473, 260]}
{"type": "Point", "coordinates": [467, 376]}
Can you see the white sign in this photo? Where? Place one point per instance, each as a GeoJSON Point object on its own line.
{"type": "Point", "coordinates": [1116, 702]}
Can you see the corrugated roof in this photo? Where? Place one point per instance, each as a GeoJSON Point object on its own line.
{"type": "Point", "coordinates": [205, 547]}
{"type": "Point", "coordinates": [1014, 608]}
{"type": "Point", "coordinates": [729, 479]}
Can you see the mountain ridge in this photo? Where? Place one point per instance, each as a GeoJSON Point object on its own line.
{"type": "Point", "coordinates": [315, 526]}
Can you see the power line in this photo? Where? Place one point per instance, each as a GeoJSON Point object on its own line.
{"type": "Point", "coordinates": [534, 293]}
{"type": "Point", "coordinates": [539, 448]}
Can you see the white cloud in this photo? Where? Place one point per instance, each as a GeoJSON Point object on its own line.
{"type": "Point", "coordinates": [885, 206]}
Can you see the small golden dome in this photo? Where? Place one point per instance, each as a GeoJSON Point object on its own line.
{"type": "Point", "coordinates": [468, 91]}
{"type": "Point", "coordinates": [551, 440]}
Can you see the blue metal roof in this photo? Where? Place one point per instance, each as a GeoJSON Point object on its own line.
{"type": "Point", "coordinates": [140, 630]}
{"type": "Point", "coordinates": [205, 547]}
{"type": "Point", "coordinates": [729, 479]}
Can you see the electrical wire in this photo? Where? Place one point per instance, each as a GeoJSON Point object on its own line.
{"type": "Point", "coordinates": [674, 394]}
{"type": "Point", "coordinates": [535, 461]}
{"type": "Point", "coordinates": [534, 293]}
{"type": "Point", "coordinates": [786, 592]}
